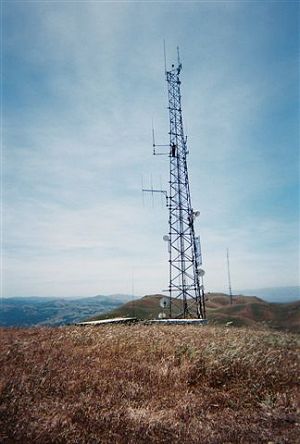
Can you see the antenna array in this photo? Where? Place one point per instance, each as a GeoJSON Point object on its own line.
{"type": "Point", "coordinates": [185, 258]}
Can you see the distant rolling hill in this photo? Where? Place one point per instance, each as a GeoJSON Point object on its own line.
{"type": "Point", "coordinates": [245, 311]}
{"type": "Point", "coordinates": [33, 311]}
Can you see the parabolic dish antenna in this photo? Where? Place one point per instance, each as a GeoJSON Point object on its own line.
{"type": "Point", "coordinates": [197, 213]}
{"type": "Point", "coordinates": [161, 315]}
{"type": "Point", "coordinates": [166, 238]}
{"type": "Point", "coordinates": [201, 272]}
{"type": "Point", "coordinates": [164, 302]}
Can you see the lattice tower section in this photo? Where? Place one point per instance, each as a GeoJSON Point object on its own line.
{"type": "Point", "coordinates": [186, 276]}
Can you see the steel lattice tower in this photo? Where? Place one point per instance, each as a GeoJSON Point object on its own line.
{"type": "Point", "coordinates": [185, 274]}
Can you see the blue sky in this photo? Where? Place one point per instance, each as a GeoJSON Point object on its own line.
{"type": "Point", "coordinates": [81, 84]}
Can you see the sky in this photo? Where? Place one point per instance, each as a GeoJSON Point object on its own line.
{"type": "Point", "coordinates": [81, 83]}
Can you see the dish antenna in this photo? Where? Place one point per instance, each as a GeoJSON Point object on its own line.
{"type": "Point", "coordinates": [201, 272]}
{"type": "Point", "coordinates": [166, 238]}
{"type": "Point", "coordinates": [162, 315]}
{"type": "Point", "coordinates": [164, 302]}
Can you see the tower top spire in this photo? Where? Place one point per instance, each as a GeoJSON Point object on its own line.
{"type": "Point", "coordinates": [179, 64]}
{"type": "Point", "coordinates": [175, 69]}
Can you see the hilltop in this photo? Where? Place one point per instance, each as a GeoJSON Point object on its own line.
{"type": "Point", "coordinates": [245, 311]}
{"type": "Point", "coordinates": [148, 384]}
{"type": "Point", "coordinates": [54, 311]}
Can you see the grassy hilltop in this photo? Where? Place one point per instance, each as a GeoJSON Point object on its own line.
{"type": "Point", "coordinates": [148, 384]}
{"type": "Point", "coordinates": [245, 311]}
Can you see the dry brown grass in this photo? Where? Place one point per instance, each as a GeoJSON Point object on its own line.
{"type": "Point", "coordinates": [156, 384]}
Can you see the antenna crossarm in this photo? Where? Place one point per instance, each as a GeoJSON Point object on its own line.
{"type": "Point", "coordinates": [155, 191]}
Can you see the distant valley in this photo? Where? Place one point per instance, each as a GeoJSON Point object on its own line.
{"type": "Point", "coordinates": [249, 311]}
{"type": "Point", "coordinates": [30, 311]}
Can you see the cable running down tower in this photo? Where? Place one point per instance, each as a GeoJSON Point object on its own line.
{"type": "Point", "coordinates": [185, 259]}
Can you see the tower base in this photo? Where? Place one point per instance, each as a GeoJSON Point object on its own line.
{"type": "Point", "coordinates": [178, 321]}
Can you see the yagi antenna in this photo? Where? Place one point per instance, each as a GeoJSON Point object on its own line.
{"type": "Point", "coordinates": [154, 191]}
{"type": "Point", "coordinates": [153, 138]}
{"type": "Point", "coordinates": [165, 56]}
{"type": "Point", "coordinates": [142, 189]}
{"type": "Point", "coordinates": [161, 195]}
{"type": "Point", "coordinates": [155, 153]}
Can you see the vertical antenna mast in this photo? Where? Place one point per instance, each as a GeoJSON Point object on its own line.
{"type": "Point", "coordinates": [229, 278]}
{"type": "Point", "coordinates": [185, 274]}
{"type": "Point", "coordinates": [165, 57]}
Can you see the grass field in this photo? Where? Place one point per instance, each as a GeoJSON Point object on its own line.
{"type": "Point", "coordinates": [149, 384]}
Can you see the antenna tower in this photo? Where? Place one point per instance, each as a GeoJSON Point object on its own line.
{"type": "Point", "coordinates": [229, 278]}
{"type": "Point", "coordinates": [185, 259]}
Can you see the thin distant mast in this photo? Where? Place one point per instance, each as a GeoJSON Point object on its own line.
{"type": "Point", "coordinates": [229, 278]}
